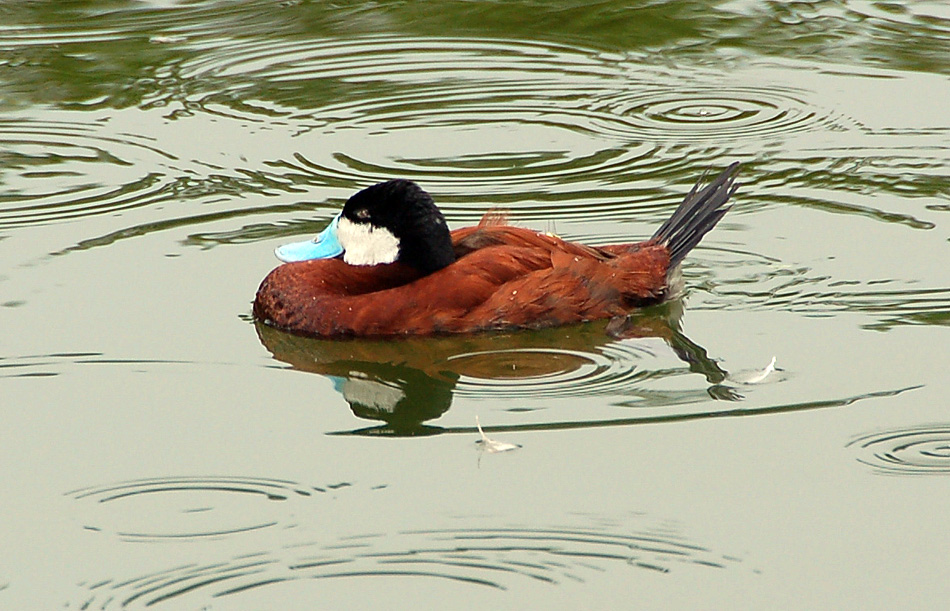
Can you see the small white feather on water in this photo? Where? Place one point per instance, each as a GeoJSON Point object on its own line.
{"type": "Point", "coordinates": [756, 376]}
{"type": "Point", "coordinates": [490, 445]}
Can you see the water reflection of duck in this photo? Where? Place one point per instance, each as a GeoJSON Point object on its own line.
{"type": "Point", "coordinates": [406, 383]}
{"type": "Point", "coordinates": [403, 273]}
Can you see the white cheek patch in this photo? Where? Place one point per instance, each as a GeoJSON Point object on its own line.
{"type": "Point", "coordinates": [364, 244]}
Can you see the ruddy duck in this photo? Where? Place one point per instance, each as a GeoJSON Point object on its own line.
{"type": "Point", "coordinates": [388, 265]}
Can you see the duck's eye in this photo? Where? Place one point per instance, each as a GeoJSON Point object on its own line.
{"type": "Point", "coordinates": [362, 214]}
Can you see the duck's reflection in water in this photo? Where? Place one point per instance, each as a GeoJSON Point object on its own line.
{"type": "Point", "coordinates": [405, 382]}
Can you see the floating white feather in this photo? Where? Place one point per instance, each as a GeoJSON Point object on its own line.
{"type": "Point", "coordinates": [756, 376]}
{"type": "Point", "coordinates": [491, 446]}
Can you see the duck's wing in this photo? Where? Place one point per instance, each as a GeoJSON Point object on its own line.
{"type": "Point", "coordinates": [574, 289]}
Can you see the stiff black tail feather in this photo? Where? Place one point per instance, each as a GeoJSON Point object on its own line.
{"type": "Point", "coordinates": [698, 213]}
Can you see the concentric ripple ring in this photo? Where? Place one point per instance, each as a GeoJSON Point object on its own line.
{"type": "Point", "coordinates": [918, 451]}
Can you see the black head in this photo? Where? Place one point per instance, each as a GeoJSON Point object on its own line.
{"type": "Point", "coordinates": [395, 221]}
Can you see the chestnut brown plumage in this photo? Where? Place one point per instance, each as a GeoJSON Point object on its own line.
{"type": "Point", "coordinates": [503, 277]}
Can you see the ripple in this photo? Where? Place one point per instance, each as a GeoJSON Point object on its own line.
{"type": "Point", "coordinates": [475, 82]}
{"type": "Point", "coordinates": [495, 557]}
{"type": "Point", "coordinates": [40, 365]}
{"type": "Point", "coordinates": [551, 372]}
{"type": "Point", "coordinates": [923, 450]}
{"type": "Point", "coordinates": [528, 122]}
{"type": "Point", "coordinates": [531, 125]}
{"type": "Point", "coordinates": [888, 302]}
{"type": "Point", "coordinates": [55, 171]}
{"type": "Point", "coordinates": [644, 362]}
{"type": "Point", "coordinates": [717, 112]}
{"type": "Point", "coordinates": [182, 508]}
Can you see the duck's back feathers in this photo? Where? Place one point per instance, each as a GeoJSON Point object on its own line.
{"type": "Point", "coordinates": [494, 233]}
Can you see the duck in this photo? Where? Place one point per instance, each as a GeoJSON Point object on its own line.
{"type": "Point", "coordinates": [388, 265]}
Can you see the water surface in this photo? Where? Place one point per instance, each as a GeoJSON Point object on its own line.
{"type": "Point", "coordinates": [162, 450]}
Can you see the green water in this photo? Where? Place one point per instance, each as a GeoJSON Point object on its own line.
{"type": "Point", "coordinates": [160, 450]}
